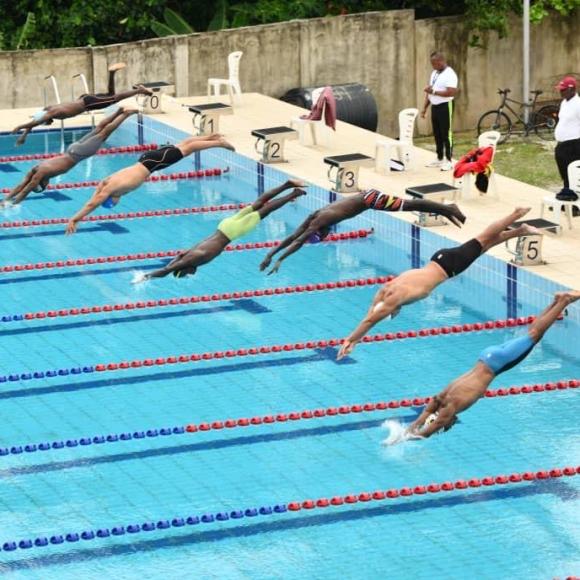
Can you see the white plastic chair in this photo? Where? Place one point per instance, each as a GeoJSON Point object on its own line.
{"type": "Point", "coordinates": [557, 205]}
{"type": "Point", "coordinates": [486, 139]}
{"type": "Point", "coordinates": [301, 124]}
{"type": "Point", "coordinates": [404, 146]}
{"type": "Point", "coordinates": [232, 83]}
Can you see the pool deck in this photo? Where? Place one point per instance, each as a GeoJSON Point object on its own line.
{"type": "Point", "coordinates": [256, 111]}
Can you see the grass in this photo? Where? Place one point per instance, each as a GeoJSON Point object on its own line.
{"type": "Point", "coordinates": [526, 159]}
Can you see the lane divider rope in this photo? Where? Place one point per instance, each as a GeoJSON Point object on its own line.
{"type": "Point", "coordinates": [264, 350]}
{"type": "Point", "coordinates": [294, 506]}
{"type": "Point", "coordinates": [126, 216]}
{"type": "Point", "coordinates": [72, 263]}
{"type": "Point", "coordinates": [107, 151]}
{"type": "Point", "coordinates": [170, 302]}
{"type": "Point", "coordinates": [272, 419]}
{"type": "Point", "coordinates": [212, 172]}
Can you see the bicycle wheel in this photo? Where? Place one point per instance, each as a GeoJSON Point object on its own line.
{"type": "Point", "coordinates": [545, 121]}
{"type": "Point", "coordinates": [495, 121]}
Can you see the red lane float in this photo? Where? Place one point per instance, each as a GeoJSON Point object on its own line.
{"type": "Point", "coordinates": [117, 217]}
{"type": "Point", "coordinates": [161, 177]}
{"type": "Point", "coordinates": [107, 151]}
{"type": "Point", "coordinates": [242, 294]}
{"type": "Point", "coordinates": [432, 488]}
{"type": "Point", "coordinates": [283, 348]}
{"type": "Point", "coordinates": [369, 407]}
{"type": "Point", "coordinates": [166, 254]}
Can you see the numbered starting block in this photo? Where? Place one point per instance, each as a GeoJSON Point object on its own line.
{"type": "Point", "coordinates": [270, 143]}
{"type": "Point", "coordinates": [528, 249]}
{"type": "Point", "coordinates": [440, 192]}
{"type": "Point", "coordinates": [153, 104]}
{"type": "Point", "coordinates": [343, 171]}
{"type": "Point", "coordinates": [206, 117]}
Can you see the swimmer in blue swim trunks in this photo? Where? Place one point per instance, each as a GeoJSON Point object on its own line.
{"type": "Point", "coordinates": [228, 230]}
{"type": "Point", "coordinates": [441, 412]}
{"type": "Point", "coordinates": [417, 284]}
{"type": "Point", "coordinates": [39, 176]}
{"type": "Point", "coordinates": [319, 223]}
{"type": "Point", "coordinates": [113, 188]}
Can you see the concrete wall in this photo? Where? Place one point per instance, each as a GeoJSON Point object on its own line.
{"type": "Point", "coordinates": [387, 51]}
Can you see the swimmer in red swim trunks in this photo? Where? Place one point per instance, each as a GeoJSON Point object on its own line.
{"type": "Point", "coordinates": [441, 412]}
{"type": "Point", "coordinates": [318, 224]}
{"type": "Point", "coordinates": [417, 284]}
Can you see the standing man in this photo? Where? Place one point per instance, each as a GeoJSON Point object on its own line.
{"type": "Point", "coordinates": [567, 134]}
{"type": "Point", "coordinates": [439, 93]}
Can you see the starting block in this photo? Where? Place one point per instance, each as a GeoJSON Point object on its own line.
{"type": "Point", "coordinates": [528, 249]}
{"type": "Point", "coordinates": [154, 104]}
{"type": "Point", "coordinates": [347, 167]}
{"type": "Point", "coordinates": [435, 192]}
{"type": "Point", "coordinates": [206, 117]}
{"type": "Point", "coordinates": [272, 141]}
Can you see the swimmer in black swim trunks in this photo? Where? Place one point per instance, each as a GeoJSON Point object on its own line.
{"type": "Point", "coordinates": [84, 103]}
{"type": "Point", "coordinates": [441, 412]}
{"type": "Point", "coordinates": [417, 284]}
{"type": "Point", "coordinates": [38, 177]}
{"type": "Point", "coordinates": [111, 189]}
{"type": "Point", "coordinates": [319, 223]}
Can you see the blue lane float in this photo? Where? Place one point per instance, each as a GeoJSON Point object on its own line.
{"type": "Point", "coordinates": [178, 522]}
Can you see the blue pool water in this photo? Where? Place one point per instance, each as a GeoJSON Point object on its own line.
{"type": "Point", "coordinates": [528, 530]}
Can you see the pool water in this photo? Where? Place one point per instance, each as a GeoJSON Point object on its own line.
{"type": "Point", "coordinates": [514, 531]}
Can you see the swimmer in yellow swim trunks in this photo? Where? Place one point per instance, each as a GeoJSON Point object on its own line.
{"type": "Point", "coordinates": [228, 230]}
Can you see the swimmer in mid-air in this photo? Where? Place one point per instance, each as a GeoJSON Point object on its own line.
{"type": "Point", "coordinates": [228, 230]}
{"type": "Point", "coordinates": [38, 177]}
{"type": "Point", "coordinates": [441, 412]}
{"type": "Point", "coordinates": [319, 223]}
{"type": "Point", "coordinates": [84, 103]}
{"type": "Point", "coordinates": [111, 189]}
{"type": "Point", "coordinates": [417, 284]}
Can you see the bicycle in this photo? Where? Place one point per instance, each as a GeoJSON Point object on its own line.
{"type": "Point", "coordinates": [542, 122]}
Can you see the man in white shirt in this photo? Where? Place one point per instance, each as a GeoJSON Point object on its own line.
{"type": "Point", "coordinates": [567, 134]}
{"type": "Point", "coordinates": [439, 93]}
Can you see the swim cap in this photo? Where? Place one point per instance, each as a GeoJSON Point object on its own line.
{"type": "Point", "coordinates": [109, 203]}
{"type": "Point", "coordinates": [185, 272]}
{"type": "Point", "coordinates": [42, 185]}
{"type": "Point", "coordinates": [314, 238]}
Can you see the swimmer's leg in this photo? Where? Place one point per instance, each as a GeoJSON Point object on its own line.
{"type": "Point", "coordinates": [268, 208]}
{"type": "Point", "coordinates": [544, 320]}
{"type": "Point", "coordinates": [112, 70]}
{"type": "Point", "coordinates": [271, 193]}
{"type": "Point", "coordinates": [496, 233]}
{"type": "Point", "coordinates": [193, 144]}
{"type": "Point", "coordinates": [112, 122]}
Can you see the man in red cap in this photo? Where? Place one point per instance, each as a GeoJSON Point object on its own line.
{"type": "Point", "coordinates": [567, 134]}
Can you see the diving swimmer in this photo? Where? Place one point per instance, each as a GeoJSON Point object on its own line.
{"type": "Point", "coordinates": [111, 189]}
{"type": "Point", "coordinates": [39, 176]}
{"type": "Point", "coordinates": [441, 412]}
{"type": "Point", "coordinates": [319, 223]}
{"type": "Point", "coordinates": [417, 284]}
{"type": "Point", "coordinates": [228, 230]}
{"type": "Point", "coordinates": [84, 103]}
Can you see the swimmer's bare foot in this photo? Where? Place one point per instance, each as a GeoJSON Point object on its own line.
{"type": "Point", "coordinates": [455, 215]}
{"type": "Point", "coordinates": [225, 144]}
{"type": "Point", "coordinates": [117, 66]}
{"type": "Point", "coordinates": [214, 137]}
{"type": "Point", "coordinates": [297, 192]}
{"type": "Point", "coordinates": [144, 90]}
{"type": "Point", "coordinates": [127, 111]}
{"type": "Point", "coordinates": [569, 296]}
{"type": "Point", "coordinates": [529, 230]}
{"type": "Point", "coordinates": [520, 212]}
{"type": "Point", "coordinates": [297, 183]}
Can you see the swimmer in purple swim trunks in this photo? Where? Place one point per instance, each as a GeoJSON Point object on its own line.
{"type": "Point", "coordinates": [319, 223]}
{"type": "Point", "coordinates": [441, 412]}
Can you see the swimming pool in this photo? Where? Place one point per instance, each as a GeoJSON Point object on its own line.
{"type": "Point", "coordinates": [511, 531]}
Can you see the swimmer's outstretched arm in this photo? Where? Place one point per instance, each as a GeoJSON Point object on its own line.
{"type": "Point", "coordinates": [22, 189]}
{"type": "Point", "coordinates": [97, 199]}
{"type": "Point", "coordinates": [379, 310]}
{"type": "Point", "coordinates": [429, 409]}
{"type": "Point", "coordinates": [296, 240]}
